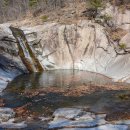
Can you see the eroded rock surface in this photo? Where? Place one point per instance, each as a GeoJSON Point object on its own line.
{"type": "Point", "coordinates": [10, 62]}
{"type": "Point", "coordinates": [103, 127]}
{"type": "Point", "coordinates": [68, 113]}
{"type": "Point", "coordinates": [7, 116]}
{"type": "Point", "coordinates": [84, 45]}
{"type": "Point", "coordinates": [84, 121]}
{"type": "Point", "coordinates": [75, 118]}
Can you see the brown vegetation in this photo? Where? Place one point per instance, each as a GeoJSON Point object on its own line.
{"type": "Point", "coordinates": [53, 9]}
{"type": "Point", "coordinates": [17, 9]}
{"type": "Point", "coordinates": [2, 104]}
{"type": "Point", "coordinates": [22, 111]}
{"type": "Point", "coordinates": [118, 115]}
{"type": "Point", "coordinates": [117, 34]}
{"type": "Point", "coordinates": [72, 91]}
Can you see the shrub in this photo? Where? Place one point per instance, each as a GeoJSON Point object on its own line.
{"type": "Point", "coordinates": [117, 34]}
{"type": "Point", "coordinates": [6, 2]}
{"type": "Point", "coordinates": [123, 96]}
{"type": "Point", "coordinates": [32, 3]}
{"type": "Point", "coordinates": [122, 46]}
{"type": "Point", "coordinates": [96, 4]}
{"type": "Point", "coordinates": [44, 18]}
{"type": "Point", "coordinates": [106, 17]}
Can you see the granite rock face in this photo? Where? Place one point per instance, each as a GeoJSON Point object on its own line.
{"type": "Point", "coordinates": [85, 45]}
{"type": "Point", "coordinates": [10, 63]}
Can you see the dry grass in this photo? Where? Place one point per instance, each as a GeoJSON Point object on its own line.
{"type": "Point", "coordinates": [117, 34]}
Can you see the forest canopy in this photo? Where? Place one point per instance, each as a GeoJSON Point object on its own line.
{"type": "Point", "coordinates": [15, 9]}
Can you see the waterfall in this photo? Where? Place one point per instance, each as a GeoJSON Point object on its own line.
{"type": "Point", "coordinates": [28, 57]}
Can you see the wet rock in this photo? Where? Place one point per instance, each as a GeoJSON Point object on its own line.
{"type": "Point", "coordinates": [75, 118]}
{"type": "Point", "coordinates": [86, 116]}
{"type": "Point", "coordinates": [118, 115]}
{"type": "Point", "coordinates": [65, 123]}
{"type": "Point", "coordinates": [6, 114]}
{"type": "Point", "coordinates": [122, 122]}
{"type": "Point", "coordinates": [7, 119]}
{"type": "Point", "coordinates": [84, 121]}
{"type": "Point", "coordinates": [103, 127]}
{"type": "Point", "coordinates": [11, 125]}
{"type": "Point", "coordinates": [68, 113]}
{"type": "Point", "coordinates": [44, 118]}
{"type": "Point", "coordinates": [9, 69]}
{"type": "Point", "coordinates": [10, 63]}
{"type": "Point", "coordinates": [3, 84]}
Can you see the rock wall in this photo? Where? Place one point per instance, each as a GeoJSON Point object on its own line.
{"type": "Point", "coordinates": [85, 45]}
{"type": "Point", "coordinates": [10, 62]}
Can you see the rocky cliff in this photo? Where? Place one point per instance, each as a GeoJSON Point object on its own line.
{"type": "Point", "coordinates": [101, 45]}
{"type": "Point", "coordinates": [10, 62]}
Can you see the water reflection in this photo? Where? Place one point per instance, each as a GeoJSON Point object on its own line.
{"type": "Point", "coordinates": [58, 78]}
{"type": "Point", "coordinates": [99, 101]}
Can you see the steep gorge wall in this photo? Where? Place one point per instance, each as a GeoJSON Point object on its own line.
{"type": "Point", "coordinates": [10, 62]}
{"type": "Point", "coordinates": [85, 45]}
{"type": "Point", "coordinates": [82, 46]}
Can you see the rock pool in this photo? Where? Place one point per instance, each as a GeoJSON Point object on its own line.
{"type": "Point", "coordinates": [36, 97]}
